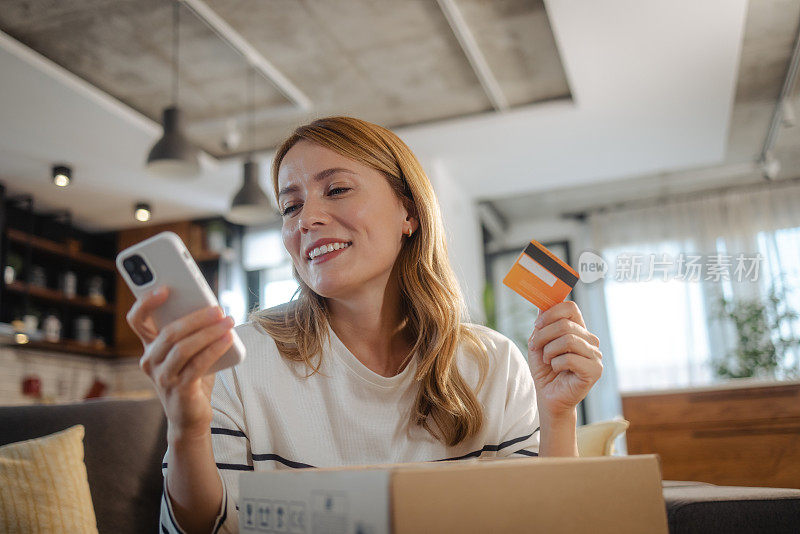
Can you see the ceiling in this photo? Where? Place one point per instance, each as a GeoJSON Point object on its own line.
{"type": "Point", "coordinates": [770, 31]}
{"type": "Point", "coordinates": [601, 93]}
{"type": "Point", "coordinates": [389, 62]}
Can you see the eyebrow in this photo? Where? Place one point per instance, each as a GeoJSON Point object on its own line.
{"type": "Point", "coordinates": [321, 175]}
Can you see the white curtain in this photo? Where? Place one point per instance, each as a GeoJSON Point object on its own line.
{"type": "Point", "coordinates": [663, 323]}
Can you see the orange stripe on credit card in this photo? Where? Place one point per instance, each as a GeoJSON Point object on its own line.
{"type": "Point", "coordinates": [541, 277]}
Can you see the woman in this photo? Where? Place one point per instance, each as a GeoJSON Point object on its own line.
{"type": "Point", "coordinates": [373, 362]}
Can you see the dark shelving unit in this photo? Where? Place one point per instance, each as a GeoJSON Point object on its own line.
{"type": "Point", "coordinates": [48, 241]}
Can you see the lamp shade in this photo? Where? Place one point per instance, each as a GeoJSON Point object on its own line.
{"type": "Point", "coordinates": [251, 205]}
{"type": "Point", "coordinates": [173, 156]}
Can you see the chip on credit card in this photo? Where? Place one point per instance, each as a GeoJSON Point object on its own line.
{"type": "Point", "coordinates": [540, 277]}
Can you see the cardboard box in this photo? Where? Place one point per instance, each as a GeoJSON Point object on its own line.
{"type": "Point", "coordinates": [572, 495]}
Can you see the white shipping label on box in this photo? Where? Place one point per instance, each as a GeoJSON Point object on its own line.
{"type": "Point", "coordinates": [314, 502]}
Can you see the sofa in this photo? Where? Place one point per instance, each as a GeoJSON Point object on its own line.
{"type": "Point", "coordinates": [124, 445]}
{"type": "Point", "coordinates": [126, 439]}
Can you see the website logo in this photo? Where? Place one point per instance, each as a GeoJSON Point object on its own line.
{"type": "Point", "coordinates": [591, 267]}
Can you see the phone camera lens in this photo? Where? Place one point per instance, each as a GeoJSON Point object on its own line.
{"type": "Point", "coordinates": [137, 269]}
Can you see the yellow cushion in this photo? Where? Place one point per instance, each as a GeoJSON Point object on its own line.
{"type": "Point", "coordinates": [597, 439]}
{"type": "Point", "coordinates": [43, 485]}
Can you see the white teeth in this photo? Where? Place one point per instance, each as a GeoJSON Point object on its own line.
{"type": "Point", "coordinates": [324, 249]}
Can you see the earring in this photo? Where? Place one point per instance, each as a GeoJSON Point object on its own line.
{"type": "Point", "coordinates": [410, 231]}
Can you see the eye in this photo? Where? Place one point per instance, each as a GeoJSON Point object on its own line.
{"type": "Point", "coordinates": [333, 191]}
{"type": "Point", "coordinates": [288, 210]}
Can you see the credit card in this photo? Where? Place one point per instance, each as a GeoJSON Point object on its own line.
{"type": "Point", "coordinates": [540, 277]}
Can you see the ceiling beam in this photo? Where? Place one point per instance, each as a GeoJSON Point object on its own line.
{"type": "Point", "coordinates": [261, 64]}
{"type": "Point", "coordinates": [492, 220]}
{"type": "Point", "coordinates": [780, 112]}
{"type": "Point", "coordinates": [474, 54]}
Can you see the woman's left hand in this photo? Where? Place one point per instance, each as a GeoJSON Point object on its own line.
{"type": "Point", "coordinates": [564, 359]}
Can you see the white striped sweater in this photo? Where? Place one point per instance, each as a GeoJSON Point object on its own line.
{"type": "Point", "coordinates": [269, 415]}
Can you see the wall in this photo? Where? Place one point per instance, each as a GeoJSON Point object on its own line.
{"type": "Point", "coordinates": [464, 238]}
{"type": "Point", "coordinates": [67, 378]}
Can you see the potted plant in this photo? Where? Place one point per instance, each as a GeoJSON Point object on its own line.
{"type": "Point", "coordinates": [762, 342]}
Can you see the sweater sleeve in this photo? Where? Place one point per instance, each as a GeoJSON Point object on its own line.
{"type": "Point", "coordinates": [520, 432]}
{"type": "Point", "coordinates": [232, 453]}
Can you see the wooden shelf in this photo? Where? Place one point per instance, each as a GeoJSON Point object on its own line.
{"type": "Point", "coordinates": [68, 345]}
{"type": "Point", "coordinates": [58, 297]}
{"type": "Point", "coordinates": [60, 249]}
{"type": "Point", "coordinates": [207, 256]}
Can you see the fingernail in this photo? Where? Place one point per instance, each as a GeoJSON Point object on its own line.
{"type": "Point", "coordinates": [160, 291]}
{"type": "Point", "coordinates": [215, 312]}
{"type": "Point", "coordinates": [538, 322]}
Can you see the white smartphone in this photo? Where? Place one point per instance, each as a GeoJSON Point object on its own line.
{"type": "Point", "coordinates": [163, 260]}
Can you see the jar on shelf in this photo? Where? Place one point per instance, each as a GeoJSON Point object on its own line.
{"type": "Point", "coordinates": [52, 328]}
{"type": "Point", "coordinates": [30, 323]}
{"type": "Point", "coordinates": [38, 276]}
{"type": "Point", "coordinates": [13, 268]}
{"type": "Point", "coordinates": [95, 290]}
{"type": "Point", "coordinates": [69, 284]}
{"type": "Point", "coordinates": [84, 329]}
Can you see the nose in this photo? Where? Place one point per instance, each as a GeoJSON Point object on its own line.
{"type": "Point", "coordinates": [312, 214]}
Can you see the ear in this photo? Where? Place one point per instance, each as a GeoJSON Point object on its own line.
{"type": "Point", "coordinates": [411, 215]}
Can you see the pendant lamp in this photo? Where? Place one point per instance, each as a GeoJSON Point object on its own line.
{"type": "Point", "coordinates": [251, 205]}
{"type": "Point", "coordinates": [174, 156]}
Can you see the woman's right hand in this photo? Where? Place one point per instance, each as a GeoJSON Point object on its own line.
{"type": "Point", "coordinates": [177, 357]}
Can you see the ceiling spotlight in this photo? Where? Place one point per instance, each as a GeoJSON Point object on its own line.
{"type": "Point", "coordinates": [62, 176]}
{"type": "Point", "coordinates": [789, 115]}
{"type": "Point", "coordinates": [770, 167]}
{"type": "Point", "coordinates": [142, 212]}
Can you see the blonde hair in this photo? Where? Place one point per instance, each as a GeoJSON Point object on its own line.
{"type": "Point", "coordinates": [430, 296]}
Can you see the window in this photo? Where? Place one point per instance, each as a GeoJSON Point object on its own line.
{"type": "Point", "coordinates": [269, 268]}
{"type": "Point", "coordinates": [276, 285]}
{"type": "Point", "coordinates": [782, 272]}
{"type": "Point", "coordinates": [657, 323]}
{"type": "Point", "coordinates": [663, 330]}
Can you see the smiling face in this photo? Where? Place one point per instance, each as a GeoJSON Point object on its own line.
{"type": "Point", "coordinates": [326, 198]}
